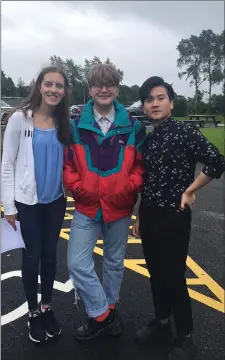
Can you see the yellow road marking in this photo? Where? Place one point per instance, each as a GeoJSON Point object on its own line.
{"type": "Point", "coordinates": [202, 278]}
{"type": "Point", "coordinates": [207, 280]}
{"type": "Point", "coordinates": [68, 216]}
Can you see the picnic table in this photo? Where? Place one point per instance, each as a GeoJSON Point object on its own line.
{"type": "Point", "coordinates": [201, 120]}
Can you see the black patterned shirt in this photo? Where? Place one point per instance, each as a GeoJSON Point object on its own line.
{"type": "Point", "coordinates": [170, 155]}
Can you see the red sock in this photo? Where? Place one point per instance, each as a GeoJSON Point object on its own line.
{"type": "Point", "coordinates": [102, 317]}
{"type": "Point", "coordinates": [112, 306]}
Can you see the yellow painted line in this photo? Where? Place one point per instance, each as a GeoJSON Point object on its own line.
{"type": "Point", "coordinates": [100, 242]}
{"type": "Point", "coordinates": [134, 241]}
{"type": "Point", "coordinates": [64, 234]}
{"type": "Point", "coordinates": [206, 279]}
{"type": "Point", "coordinates": [206, 300]}
{"type": "Point", "coordinates": [68, 216]}
{"type": "Point", "coordinates": [194, 281]}
{"type": "Point", "coordinates": [137, 265]}
{"type": "Point", "coordinates": [130, 241]}
{"type": "Point", "coordinates": [202, 277]}
{"type": "Point", "coordinates": [98, 251]}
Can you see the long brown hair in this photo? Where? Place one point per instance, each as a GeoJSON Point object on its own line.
{"type": "Point", "coordinates": [61, 114]}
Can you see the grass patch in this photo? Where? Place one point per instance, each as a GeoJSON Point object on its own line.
{"type": "Point", "coordinates": [215, 136]}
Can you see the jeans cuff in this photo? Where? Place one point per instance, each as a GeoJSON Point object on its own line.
{"type": "Point", "coordinates": [113, 301]}
{"type": "Point", "coordinates": [96, 313]}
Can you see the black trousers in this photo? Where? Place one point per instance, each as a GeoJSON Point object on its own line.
{"type": "Point", "coordinates": [165, 239]}
{"type": "Point", "coordinates": [40, 227]}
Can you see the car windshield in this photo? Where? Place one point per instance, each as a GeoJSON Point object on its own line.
{"type": "Point", "coordinates": [136, 104]}
{"type": "Point", "coordinates": [3, 103]}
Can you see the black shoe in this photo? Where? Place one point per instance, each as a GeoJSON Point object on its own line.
{"type": "Point", "coordinates": [51, 326]}
{"type": "Point", "coordinates": [151, 331]}
{"type": "Point", "coordinates": [93, 328]}
{"type": "Point", "coordinates": [182, 349]}
{"type": "Point", "coordinates": [36, 328]}
{"type": "Point", "coordinates": [116, 328]}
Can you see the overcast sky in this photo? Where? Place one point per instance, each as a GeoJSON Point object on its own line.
{"type": "Point", "coordinates": [139, 37]}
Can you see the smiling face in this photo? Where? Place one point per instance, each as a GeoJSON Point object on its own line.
{"type": "Point", "coordinates": [158, 105]}
{"type": "Point", "coordinates": [103, 81]}
{"type": "Point", "coordinates": [103, 95]}
{"type": "Point", "coordinates": [52, 88]}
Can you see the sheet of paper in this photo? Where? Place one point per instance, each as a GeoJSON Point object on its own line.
{"type": "Point", "coordinates": [10, 239]}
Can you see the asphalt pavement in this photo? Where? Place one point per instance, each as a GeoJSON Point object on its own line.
{"type": "Point", "coordinates": [205, 276]}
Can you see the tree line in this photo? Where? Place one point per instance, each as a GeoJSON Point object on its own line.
{"type": "Point", "coordinates": [200, 60]}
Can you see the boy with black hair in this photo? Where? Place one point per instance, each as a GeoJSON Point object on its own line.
{"type": "Point", "coordinates": [170, 155]}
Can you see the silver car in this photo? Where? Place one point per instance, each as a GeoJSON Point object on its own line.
{"type": "Point", "coordinates": [5, 109]}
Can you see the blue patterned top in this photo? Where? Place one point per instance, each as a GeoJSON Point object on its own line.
{"type": "Point", "coordinates": [48, 165]}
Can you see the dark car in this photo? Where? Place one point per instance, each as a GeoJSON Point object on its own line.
{"type": "Point", "coordinates": [75, 111]}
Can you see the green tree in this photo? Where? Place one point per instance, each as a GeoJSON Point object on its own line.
{"type": "Point", "coordinates": [191, 59]}
{"type": "Point", "coordinates": [73, 72]}
{"type": "Point", "coordinates": [88, 64]}
{"type": "Point", "coordinates": [3, 83]}
{"type": "Point", "coordinates": [108, 61]}
{"type": "Point", "coordinates": [218, 104]}
{"type": "Point", "coordinates": [57, 61]}
{"type": "Point", "coordinates": [135, 93]}
{"type": "Point", "coordinates": [180, 106]}
{"type": "Point", "coordinates": [7, 85]}
{"type": "Point", "coordinates": [124, 94]}
{"type": "Point", "coordinates": [21, 88]}
{"type": "Point", "coordinates": [212, 56]}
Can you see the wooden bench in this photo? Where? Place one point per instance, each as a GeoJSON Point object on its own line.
{"type": "Point", "coordinates": [201, 120]}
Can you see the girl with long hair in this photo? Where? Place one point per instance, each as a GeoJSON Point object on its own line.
{"type": "Point", "coordinates": [32, 188]}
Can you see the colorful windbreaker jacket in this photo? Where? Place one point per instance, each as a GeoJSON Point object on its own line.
{"type": "Point", "coordinates": [104, 173]}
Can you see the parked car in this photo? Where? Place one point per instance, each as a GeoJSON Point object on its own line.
{"type": "Point", "coordinates": [5, 110]}
{"type": "Point", "coordinates": [136, 109]}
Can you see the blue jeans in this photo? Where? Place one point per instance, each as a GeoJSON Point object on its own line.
{"type": "Point", "coordinates": [83, 238]}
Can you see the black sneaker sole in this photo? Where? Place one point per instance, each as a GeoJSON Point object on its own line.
{"type": "Point", "coordinates": [54, 335]}
{"type": "Point", "coordinates": [35, 340]}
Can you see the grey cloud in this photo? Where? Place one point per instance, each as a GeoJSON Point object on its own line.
{"type": "Point", "coordinates": [7, 23]}
{"type": "Point", "coordinates": [183, 17]}
{"type": "Point", "coordinates": [139, 50]}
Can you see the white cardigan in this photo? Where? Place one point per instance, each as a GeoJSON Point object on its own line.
{"type": "Point", "coordinates": [17, 172]}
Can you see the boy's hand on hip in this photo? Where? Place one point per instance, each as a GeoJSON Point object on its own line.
{"type": "Point", "coordinates": [188, 198]}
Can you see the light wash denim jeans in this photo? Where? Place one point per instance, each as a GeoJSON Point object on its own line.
{"type": "Point", "coordinates": [83, 237]}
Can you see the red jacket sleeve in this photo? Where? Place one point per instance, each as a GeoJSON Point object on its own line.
{"type": "Point", "coordinates": [71, 177]}
{"type": "Point", "coordinates": [137, 173]}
